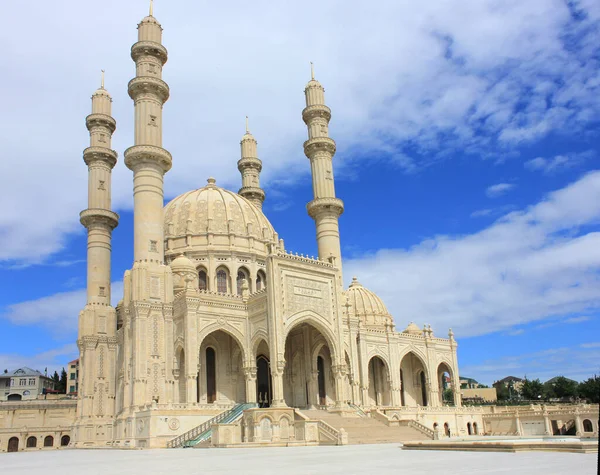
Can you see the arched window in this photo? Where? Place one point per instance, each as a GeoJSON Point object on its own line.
{"type": "Point", "coordinates": [48, 441]}
{"type": "Point", "coordinates": [469, 428]}
{"type": "Point", "coordinates": [202, 280]}
{"type": "Point", "coordinates": [587, 426]}
{"type": "Point", "coordinates": [65, 440]}
{"type": "Point", "coordinates": [475, 430]}
{"type": "Point", "coordinates": [241, 276]}
{"type": "Point", "coordinates": [261, 281]}
{"type": "Point", "coordinates": [446, 429]}
{"type": "Point", "coordinates": [424, 388]}
{"type": "Point", "coordinates": [31, 442]}
{"type": "Point", "coordinates": [222, 281]}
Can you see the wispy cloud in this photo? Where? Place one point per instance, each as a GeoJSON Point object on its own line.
{"type": "Point", "coordinates": [534, 264]}
{"type": "Point", "coordinates": [558, 162]}
{"type": "Point", "coordinates": [499, 189]}
{"type": "Point", "coordinates": [58, 312]}
{"type": "Point", "coordinates": [481, 213]}
{"type": "Point", "coordinates": [53, 359]}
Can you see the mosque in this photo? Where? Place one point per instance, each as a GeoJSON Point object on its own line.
{"type": "Point", "coordinates": [216, 312]}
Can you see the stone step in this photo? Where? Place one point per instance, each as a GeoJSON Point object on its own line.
{"type": "Point", "coordinates": [365, 430]}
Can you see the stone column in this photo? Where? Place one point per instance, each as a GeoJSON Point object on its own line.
{"type": "Point", "coordinates": [578, 425]}
{"type": "Point", "coordinates": [250, 375]}
{"type": "Point", "coordinates": [547, 424]}
{"type": "Point", "coordinates": [339, 371]}
{"type": "Point", "coordinates": [277, 378]}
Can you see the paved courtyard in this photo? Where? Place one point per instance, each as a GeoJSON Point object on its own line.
{"type": "Point", "coordinates": [356, 459]}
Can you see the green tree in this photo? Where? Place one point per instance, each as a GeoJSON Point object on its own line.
{"type": "Point", "coordinates": [532, 389]}
{"type": "Point", "coordinates": [561, 388]}
{"type": "Point", "coordinates": [56, 379]}
{"type": "Point", "coordinates": [502, 392]}
{"type": "Point", "coordinates": [590, 389]}
{"type": "Point", "coordinates": [62, 384]}
{"type": "Point", "coordinates": [448, 395]}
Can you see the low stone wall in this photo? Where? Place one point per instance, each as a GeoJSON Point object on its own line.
{"type": "Point", "coordinates": [36, 424]}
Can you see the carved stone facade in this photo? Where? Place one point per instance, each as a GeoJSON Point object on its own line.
{"type": "Point", "coordinates": [215, 311]}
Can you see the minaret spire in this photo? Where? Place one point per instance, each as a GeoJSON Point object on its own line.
{"type": "Point", "coordinates": [250, 167]}
{"type": "Point", "coordinates": [102, 80]}
{"type": "Point", "coordinates": [312, 71]}
{"type": "Point", "coordinates": [151, 7]}
{"type": "Point", "coordinates": [325, 208]}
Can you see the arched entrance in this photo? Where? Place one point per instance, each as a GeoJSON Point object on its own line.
{"type": "Point", "coordinates": [414, 380]}
{"type": "Point", "coordinates": [220, 378]}
{"type": "Point", "coordinates": [445, 384]}
{"type": "Point", "coordinates": [379, 386]}
{"type": "Point", "coordinates": [14, 397]}
{"type": "Point", "coordinates": [264, 383]}
{"type": "Point", "coordinates": [308, 379]}
{"type": "Point", "coordinates": [65, 440]}
{"type": "Point", "coordinates": [48, 441]}
{"type": "Point", "coordinates": [31, 442]}
{"type": "Point", "coordinates": [13, 444]}
{"type": "Point", "coordinates": [446, 429]}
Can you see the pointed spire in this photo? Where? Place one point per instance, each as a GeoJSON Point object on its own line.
{"type": "Point", "coordinates": [312, 71]}
{"type": "Point", "coordinates": [102, 80]}
{"type": "Point", "coordinates": [151, 7]}
{"type": "Point", "coordinates": [247, 130]}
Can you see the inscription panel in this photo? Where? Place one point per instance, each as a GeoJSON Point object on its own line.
{"type": "Point", "coordinates": [307, 294]}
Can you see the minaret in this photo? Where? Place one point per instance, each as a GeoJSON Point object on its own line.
{"type": "Point", "coordinates": [325, 208]}
{"type": "Point", "coordinates": [147, 159]}
{"type": "Point", "coordinates": [97, 321]}
{"type": "Point", "coordinates": [250, 167]}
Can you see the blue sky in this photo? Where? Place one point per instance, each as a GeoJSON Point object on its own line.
{"type": "Point", "coordinates": [467, 159]}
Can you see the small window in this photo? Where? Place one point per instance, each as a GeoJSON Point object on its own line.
{"type": "Point", "coordinates": [31, 442]}
{"type": "Point", "coordinates": [22, 382]}
{"type": "Point", "coordinates": [221, 281]}
{"type": "Point", "coordinates": [31, 382]}
{"type": "Point", "coordinates": [72, 376]}
{"type": "Point", "coordinates": [587, 426]}
{"type": "Point", "coordinates": [261, 281]}
{"type": "Point", "coordinates": [202, 280]}
{"type": "Point", "coordinates": [241, 276]}
{"type": "Point", "coordinates": [64, 440]}
{"type": "Point", "coordinates": [48, 441]}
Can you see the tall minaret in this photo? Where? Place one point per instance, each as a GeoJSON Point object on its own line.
{"type": "Point", "coordinates": [97, 321]}
{"type": "Point", "coordinates": [147, 159]}
{"type": "Point", "coordinates": [325, 208]}
{"type": "Point", "coordinates": [250, 167]}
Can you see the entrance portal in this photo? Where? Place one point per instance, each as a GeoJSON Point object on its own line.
{"type": "Point", "coordinates": [211, 376]}
{"type": "Point", "coordinates": [263, 382]}
{"type": "Point", "coordinates": [13, 444]}
{"type": "Point", "coordinates": [321, 380]}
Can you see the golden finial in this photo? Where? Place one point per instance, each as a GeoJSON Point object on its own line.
{"type": "Point", "coordinates": [102, 81]}
{"type": "Point", "coordinates": [247, 131]}
{"type": "Point", "coordinates": [312, 71]}
{"type": "Point", "coordinates": [151, 7]}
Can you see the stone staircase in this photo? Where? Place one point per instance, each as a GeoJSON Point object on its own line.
{"type": "Point", "coordinates": [366, 430]}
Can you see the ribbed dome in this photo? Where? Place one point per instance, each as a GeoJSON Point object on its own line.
{"type": "Point", "coordinates": [215, 218]}
{"type": "Point", "coordinates": [367, 305]}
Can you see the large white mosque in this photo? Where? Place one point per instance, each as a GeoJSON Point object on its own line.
{"type": "Point", "coordinates": [216, 312]}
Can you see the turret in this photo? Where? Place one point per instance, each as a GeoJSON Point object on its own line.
{"type": "Point", "coordinates": [250, 167]}
{"type": "Point", "coordinates": [98, 219]}
{"type": "Point", "coordinates": [147, 159]}
{"type": "Point", "coordinates": [325, 208]}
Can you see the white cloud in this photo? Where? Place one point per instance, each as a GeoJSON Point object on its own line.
{"type": "Point", "coordinates": [529, 265]}
{"type": "Point", "coordinates": [54, 359]}
{"type": "Point", "coordinates": [498, 190]}
{"type": "Point", "coordinates": [480, 213]}
{"type": "Point", "coordinates": [59, 312]}
{"type": "Point", "coordinates": [475, 76]}
{"type": "Point", "coordinates": [558, 162]}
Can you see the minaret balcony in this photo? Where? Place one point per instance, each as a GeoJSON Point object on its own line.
{"type": "Point", "coordinates": [100, 154]}
{"type": "Point", "coordinates": [139, 154]}
{"type": "Point", "coordinates": [320, 111]}
{"type": "Point", "coordinates": [101, 120]}
{"type": "Point", "coordinates": [252, 193]}
{"type": "Point", "coordinates": [149, 48]}
{"type": "Point", "coordinates": [99, 216]}
{"type": "Point", "coordinates": [249, 162]}
{"type": "Point", "coordinates": [319, 144]}
{"type": "Point", "coordinates": [148, 85]}
{"type": "Point", "coordinates": [325, 205]}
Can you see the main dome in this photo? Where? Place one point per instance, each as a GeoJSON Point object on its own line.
{"type": "Point", "coordinates": [212, 218]}
{"type": "Point", "coordinates": [366, 305]}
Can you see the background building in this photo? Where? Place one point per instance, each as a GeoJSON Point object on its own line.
{"type": "Point", "coordinates": [22, 384]}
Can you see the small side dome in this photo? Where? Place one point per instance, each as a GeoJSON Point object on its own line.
{"type": "Point", "coordinates": [184, 274]}
{"type": "Point", "coordinates": [366, 305]}
{"type": "Point", "coordinates": [413, 329]}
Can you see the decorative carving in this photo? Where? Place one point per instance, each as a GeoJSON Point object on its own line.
{"type": "Point", "coordinates": [304, 294]}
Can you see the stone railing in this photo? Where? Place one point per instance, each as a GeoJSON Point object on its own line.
{"type": "Point", "coordinates": [304, 259]}
{"type": "Point", "coordinates": [328, 433]}
{"type": "Point", "coordinates": [420, 427]}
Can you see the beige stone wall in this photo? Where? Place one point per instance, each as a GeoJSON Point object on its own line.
{"type": "Point", "coordinates": [487, 394]}
{"type": "Point", "coordinates": [45, 421]}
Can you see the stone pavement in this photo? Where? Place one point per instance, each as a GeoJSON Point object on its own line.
{"type": "Point", "coordinates": [348, 460]}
